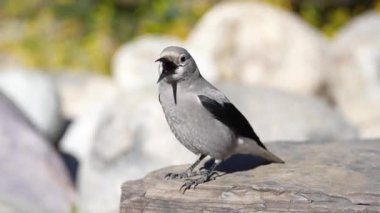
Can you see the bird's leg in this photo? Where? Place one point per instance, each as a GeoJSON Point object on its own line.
{"type": "Point", "coordinates": [206, 176]}
{"type": "Point", "coordinates": [188, 173]}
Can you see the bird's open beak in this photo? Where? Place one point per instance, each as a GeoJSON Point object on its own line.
{"type": "Point", "coordinates": [162, 75]}
{"type": "Point", "coordinates": [167, 69]}
{"type": "Point", "coordinates": [162, 59]}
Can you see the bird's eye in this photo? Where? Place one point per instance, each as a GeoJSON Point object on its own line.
{"type": "Point", "coordinates": [182, 59]}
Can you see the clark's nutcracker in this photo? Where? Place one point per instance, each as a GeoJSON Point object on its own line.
{"type": "Point", "coordinates": [202, 118]}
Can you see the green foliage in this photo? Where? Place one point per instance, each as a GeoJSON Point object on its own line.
{"type": "Point", "coordinates": [83, 34]}
{"type": "Point", "coordinates": [328, 16]}
{"type": "Point", "coordinates": [72, 34]}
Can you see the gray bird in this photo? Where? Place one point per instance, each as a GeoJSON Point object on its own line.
{"type": "Point", "coordinates": [202, 118]}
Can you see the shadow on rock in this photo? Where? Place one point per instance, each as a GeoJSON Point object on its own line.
{"type": "Point", "coordinates": [238, 163]}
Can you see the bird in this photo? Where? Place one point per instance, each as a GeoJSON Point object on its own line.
{"type": "Point", "coordinates": [202, 118]}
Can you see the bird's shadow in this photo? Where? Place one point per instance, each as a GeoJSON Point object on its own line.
{"type": "Point", "coordinates": [237, 163]}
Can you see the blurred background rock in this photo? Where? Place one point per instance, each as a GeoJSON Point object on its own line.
{"type": "Point", "coordinates": [78, 85]}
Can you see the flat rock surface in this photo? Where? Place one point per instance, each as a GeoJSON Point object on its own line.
{"type": "Point", "coordinates": [326, 176]}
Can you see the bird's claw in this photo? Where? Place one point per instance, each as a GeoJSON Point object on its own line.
{"type": "Point", "coordinates": [192, 183]}
{"type": "Point", "coordinates": [195, 182]}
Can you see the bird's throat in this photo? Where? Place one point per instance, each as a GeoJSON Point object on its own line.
{"type": "Point", "coordinates": [174, 88]}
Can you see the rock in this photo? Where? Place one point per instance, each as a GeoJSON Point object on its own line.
{"type": "Point", "coordinates": [277, 115]}
{"type": "Point", "coordinates": [355, 79]}
{"type": "Point", "coordinates": [254, 43]}
{"type": "Point", "coordinates": [33, 177]}
{"type": "Point", "coordinates": [36, 95]}
{"type": "Point", "coordinates": [346, 178]}
{"type": "Point", "coordinates": [78, 139]}
{"type": "Point", "coordinates": [80, 91]}
{"type": "Point", "coordinates": [133, 66]}
{"type": "Point", "coordinates": [128, 137]}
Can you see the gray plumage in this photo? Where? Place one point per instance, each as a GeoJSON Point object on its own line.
{"type": "Point", "coordinates": [200, 116]}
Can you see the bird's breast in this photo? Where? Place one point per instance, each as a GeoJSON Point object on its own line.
{"type": "Point", "coordinates": [194, 126]}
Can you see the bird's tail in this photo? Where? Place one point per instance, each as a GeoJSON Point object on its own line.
{"type": "Point", "coordinates": [249, 146]}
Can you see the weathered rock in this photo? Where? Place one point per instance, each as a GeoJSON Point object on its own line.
{"type": "Point", "coordinates": [355, 76]}
{"type": "Point", "coordinates": [33, 178]}
{"type": "Point", "coordinates": [36, 95]}
{"type": "Point", "coordinates": [80, 135]}
{"type": "Point", "coordinates": [255, 43]}
{"type": "Point", "coordinates": [79, 92]}
{"type": "Point", "coordinates": [134, 68]}
{"type": "Point", "coordinates": [317, 177]}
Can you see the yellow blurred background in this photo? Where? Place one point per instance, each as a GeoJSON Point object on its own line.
{"type": "Point", "coordinates": [83, 35]}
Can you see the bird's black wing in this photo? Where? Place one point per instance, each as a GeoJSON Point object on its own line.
{"type": "Point", "coordinates": [227, 113]}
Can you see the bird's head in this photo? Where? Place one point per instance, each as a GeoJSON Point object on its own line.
{"type": "Point", "coordinates": [176, 65]}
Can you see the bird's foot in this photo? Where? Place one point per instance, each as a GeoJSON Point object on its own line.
{"type": "Point", "coordinates": [186, 174]}
{"type": "Point", "coordinates": [206, 177]}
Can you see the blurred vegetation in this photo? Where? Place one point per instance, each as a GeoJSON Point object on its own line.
{"type": "Point", "coordinates": [83, 34]}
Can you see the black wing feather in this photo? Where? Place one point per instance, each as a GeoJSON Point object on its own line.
{"type": "Point", "coordinates": [231, 117]}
